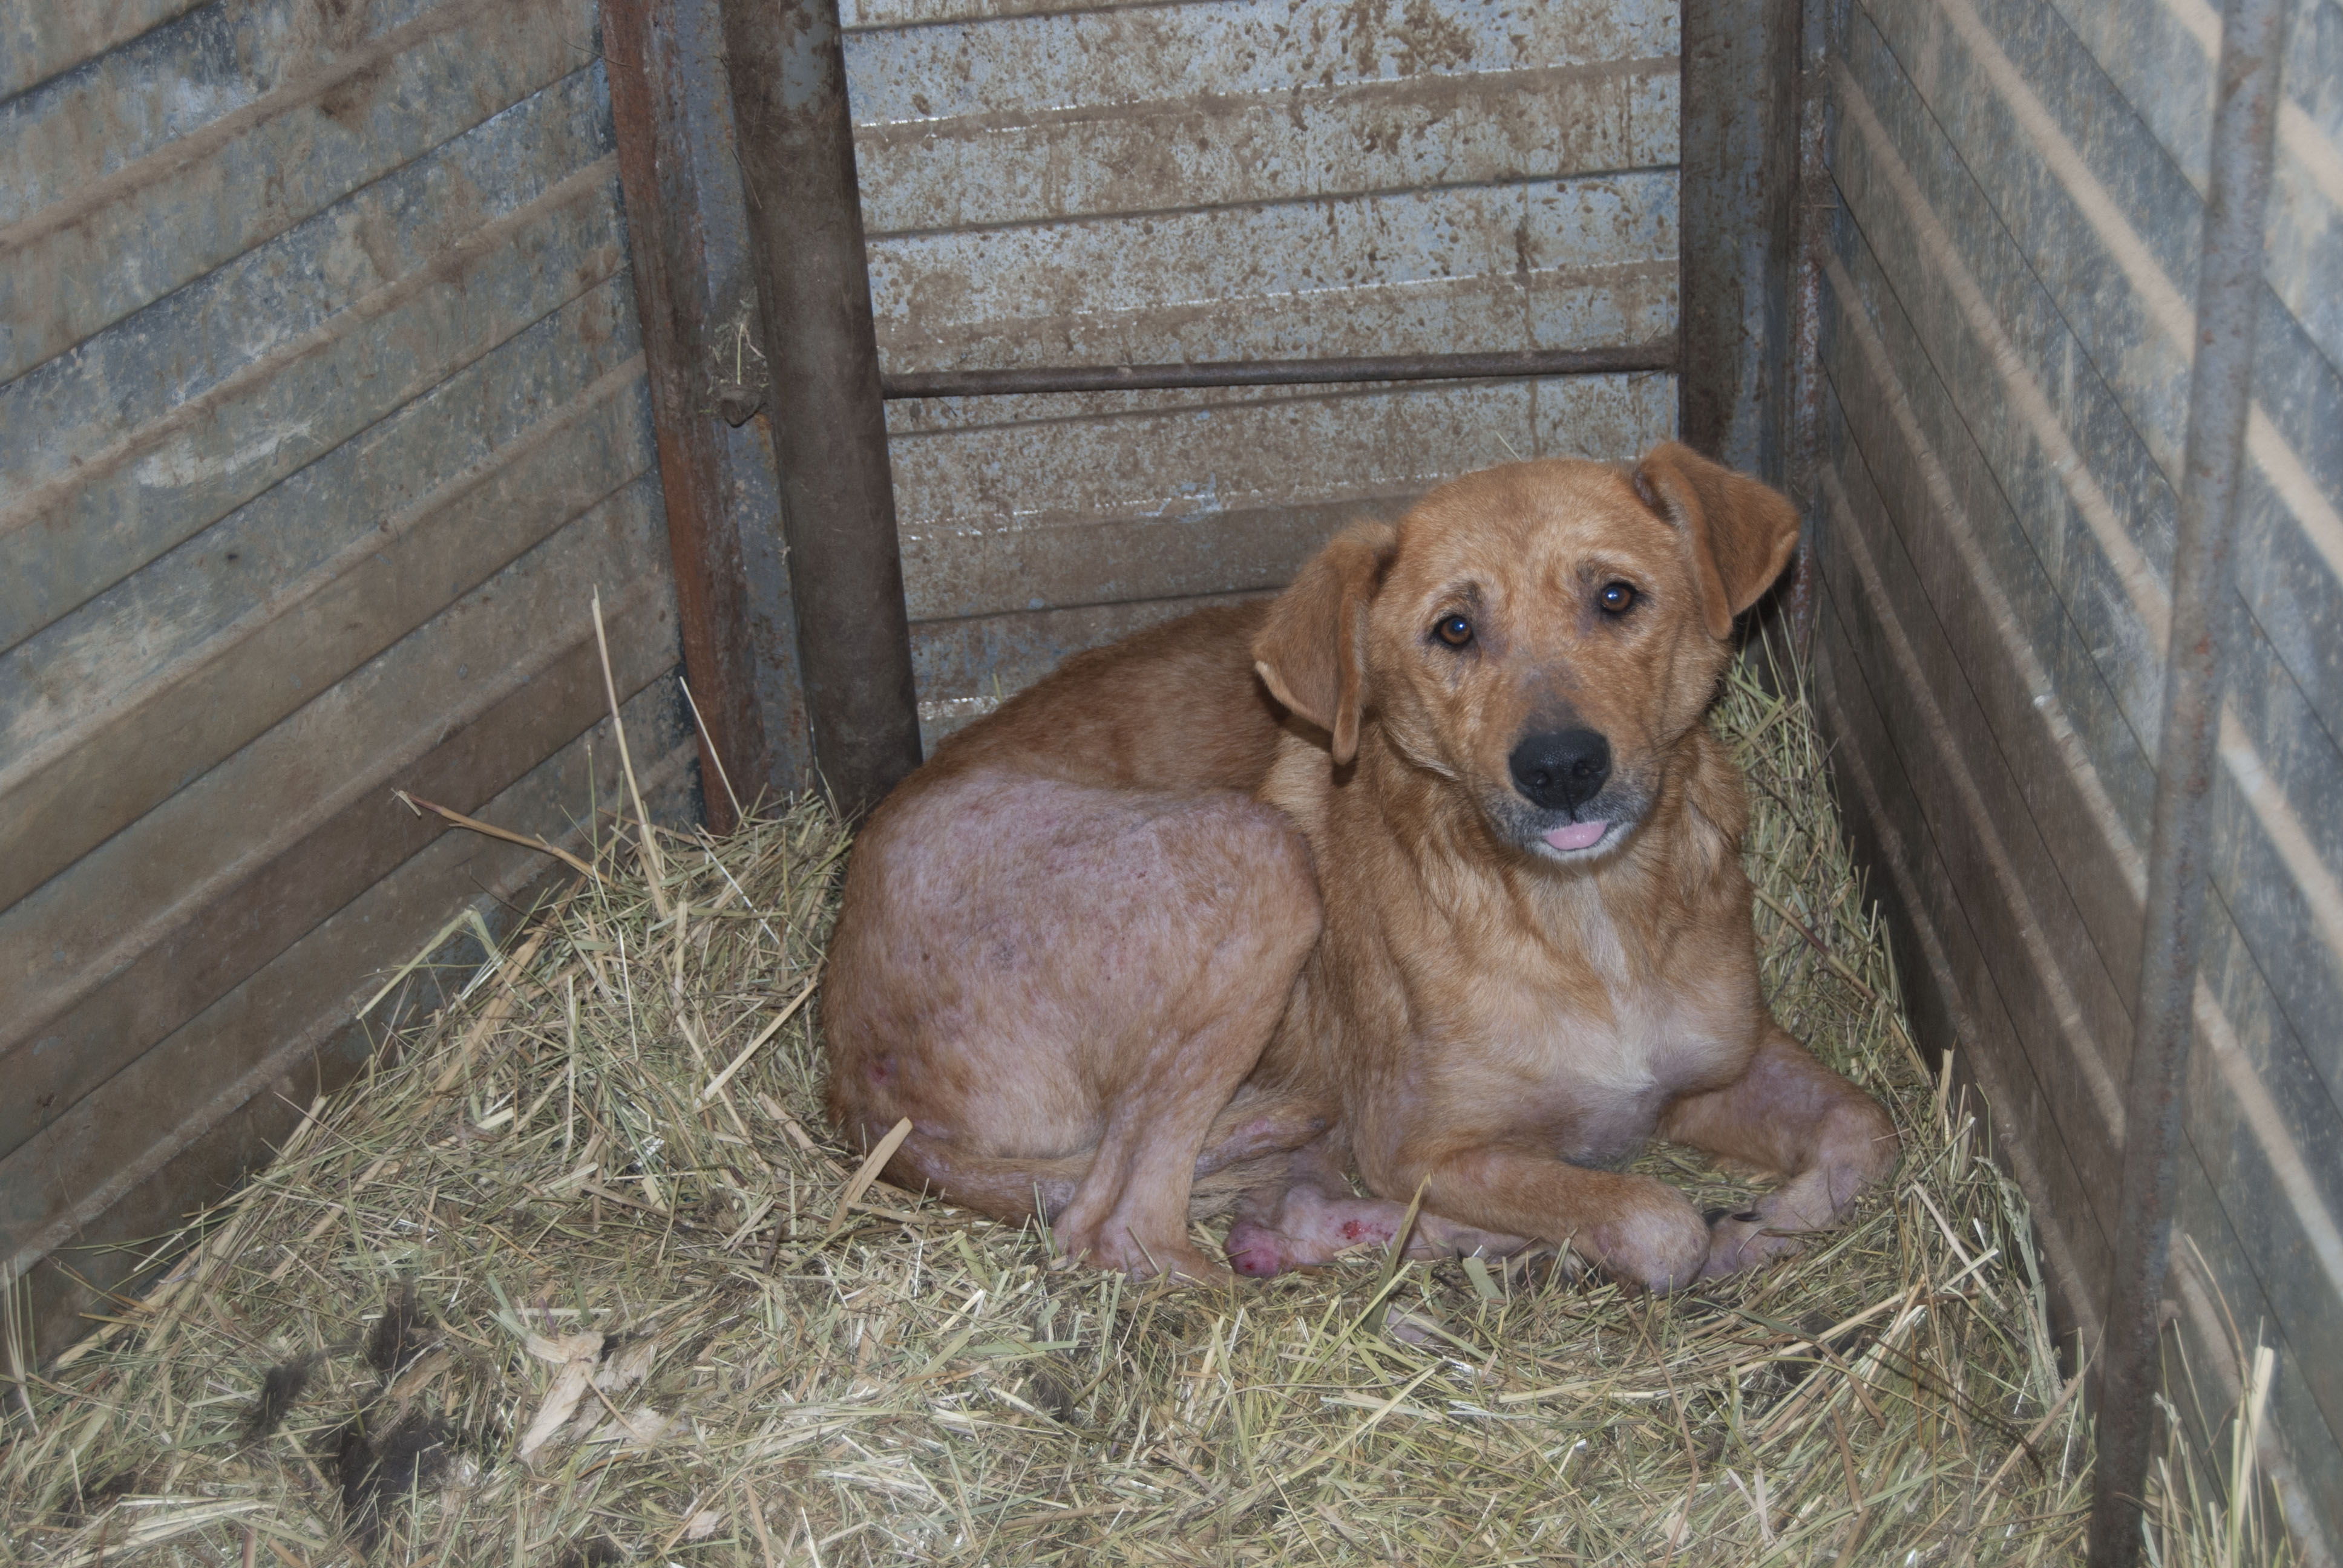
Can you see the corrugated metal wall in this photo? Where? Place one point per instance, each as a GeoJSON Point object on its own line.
{"type": "Point", "coordinates": [2005, 328]}
{"type": "Point", "coordinates": [1220, 179]}
{"type": "Point", "coordinates": [322, 415]}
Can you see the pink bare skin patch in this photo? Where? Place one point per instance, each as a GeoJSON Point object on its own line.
{"type": "Point", "coordinates": [1002, 976]}
{"type": "Point", "coordinates": [1309, 1227]}
{"type": "Point", "coordinates": [1578, 835]}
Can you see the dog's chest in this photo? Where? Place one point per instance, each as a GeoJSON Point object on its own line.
{"type": "Point", "coordinates": [1592, 1043]}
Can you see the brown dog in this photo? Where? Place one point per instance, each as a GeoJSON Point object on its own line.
{"type": "Point", "coordinates": [1427, 868]}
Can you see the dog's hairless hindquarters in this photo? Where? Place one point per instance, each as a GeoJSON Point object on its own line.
{"type": "Point", "coordinates": [1427, 872]}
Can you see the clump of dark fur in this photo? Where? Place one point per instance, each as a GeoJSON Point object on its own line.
{"type": "Point", "coordinates": [82, 1506]}
{"type": "Point", "coordinates": [381, 1455]}
{"type": "Point", "coordinates": [1781, 1378]}
{"type": "Point", "coordinates": [379, 1468]}
{"type": "Point", "coordinates": [1056, 1384]}
{"type": "Point", "coordinates": [403, 1334]}
{"type": "Point", "coordinates": [281, 1390]}
{"type": "Point", "coordinates": [600, 1552]}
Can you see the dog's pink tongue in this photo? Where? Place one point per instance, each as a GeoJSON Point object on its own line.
{"type": "Point", "coordinates": [1578, 835]}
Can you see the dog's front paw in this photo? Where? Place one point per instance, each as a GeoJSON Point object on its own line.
{"type": "Point", "coordinates": [1657, 1240]}
{"type": "Point", "coordinates": [1743, 1241]}
{"type": "Point", "coordinates": [1165, 1254]}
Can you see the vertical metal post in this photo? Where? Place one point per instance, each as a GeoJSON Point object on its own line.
{"type": "Point", "coordinates": [787, 66]}
{"type": "Point", "coordinates": [2228, 300]}
{"type": "Point", "coordinates": [1815, 205]}
{"type": "Point", "coordinates": [1736, 228]}
{"type": "Point", "coordinates": [670, 118]}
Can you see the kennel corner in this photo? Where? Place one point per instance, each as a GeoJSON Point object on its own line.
{"type": "Point", "coordinates": [350, 352]}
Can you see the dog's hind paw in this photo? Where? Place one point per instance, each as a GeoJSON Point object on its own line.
{"type": "Point", "coordinates": [1254, 1250]}
{"type": "Point", "coordinates": [1738, 1241]}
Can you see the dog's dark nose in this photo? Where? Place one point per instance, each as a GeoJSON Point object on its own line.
{"type": "Point", "coordinates": [1563, 769]}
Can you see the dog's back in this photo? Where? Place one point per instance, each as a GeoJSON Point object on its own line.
{"type": "Point", "coordinates": [1176, 707]}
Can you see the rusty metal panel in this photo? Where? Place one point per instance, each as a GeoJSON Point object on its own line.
{"type": "Point", "coordinates": [2006, 324]}
{"type": "Point", "coordinates": [1156, 183]}
{"type": "Point", "coordinates": [323, 415]}
{"type": "Point", "coordinates": [1741, 103]}
{"type": "Point", "coordinates": [1567, 264]}
{"type": "Point", "coordinates": [2159, 55]}
{"type": "Point", "coordinates": [114, 234]}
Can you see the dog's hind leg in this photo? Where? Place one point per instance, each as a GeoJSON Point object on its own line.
{"type": "Point", "coordinates": [1133, 1208]}
{"type": "Point", "coordinates": [1306, 1225]}
{"type": "Point", "coordinates": [1241, 1138]}
{"type": "Point", "coordinates": [1259, 1123]}
{"type": "Point", "coordinates": [1006, 1188]}
{"type": "Point", "coordinates": [1064, 987]}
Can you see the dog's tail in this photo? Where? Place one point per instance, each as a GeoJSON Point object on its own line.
{"type": "Point", "coordinates": [1243, 1147]}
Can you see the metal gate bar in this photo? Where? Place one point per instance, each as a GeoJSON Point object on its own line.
{"type": "Point", "coordinates": [2198, 642]}
{"type": "Point", "coordinates": [1657, 354]}
{"type": "Point", "coordinates": [787, 65]}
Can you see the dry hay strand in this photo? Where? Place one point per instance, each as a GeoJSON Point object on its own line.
{"type": "Point", "coordinates": [578, 1276]}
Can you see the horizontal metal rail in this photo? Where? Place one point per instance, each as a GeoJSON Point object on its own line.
{"type": "Point", "coordinates": [1657, 354]}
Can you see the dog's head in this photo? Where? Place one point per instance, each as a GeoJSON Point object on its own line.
{"type": "Point", "coordinates": [1543, 634]}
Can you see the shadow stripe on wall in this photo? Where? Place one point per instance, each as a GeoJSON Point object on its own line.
{"type": "Point", "coordinates": [158, 485]}
{"type": "Point", "coordinates": [126, 239]}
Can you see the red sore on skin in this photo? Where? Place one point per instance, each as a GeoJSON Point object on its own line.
{"type": "Point", "coordinates": [1352, 1231]}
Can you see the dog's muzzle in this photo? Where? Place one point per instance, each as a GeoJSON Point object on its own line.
{"type": "Point", "coordinates": [1562, 770]}
{"type": "Point", "coordinates": [1561, 774]}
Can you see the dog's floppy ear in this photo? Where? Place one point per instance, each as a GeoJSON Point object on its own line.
{"type": "Point", "coordinates": [1313, 651]}
{"type": "Point", "coordinates": [1741, 532]}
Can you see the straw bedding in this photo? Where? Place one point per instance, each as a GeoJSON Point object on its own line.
{"type": "Point", "coordinates": [578, 1276]}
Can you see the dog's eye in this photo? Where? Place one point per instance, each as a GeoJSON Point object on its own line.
{"type": "Point", "coordinates": [1616, 597]}
{"type": "Point", "coordinates": [1453, 630]}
